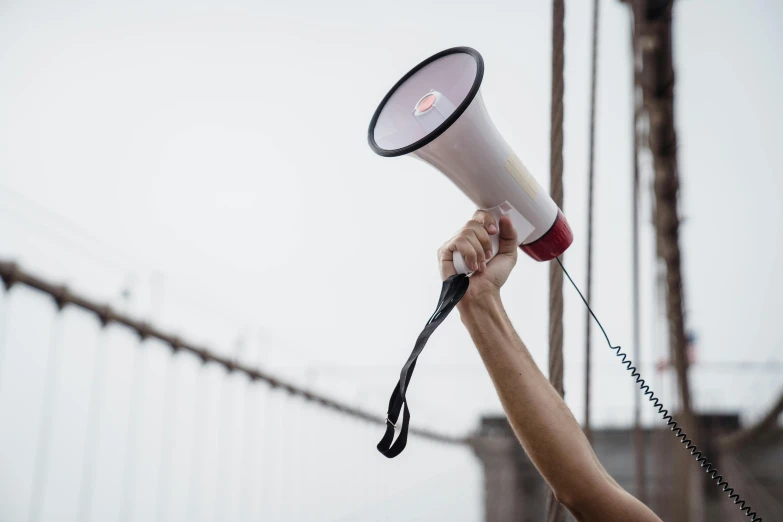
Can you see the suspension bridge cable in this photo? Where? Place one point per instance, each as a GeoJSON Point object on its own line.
{"type": "Point", "coordinates": [640, 466]}
{"type": "Point", "coordinates": [294, 494]}
{"type": "Point", "coordinates": [555, 511]}
{"type": "Point", "coordinates": [248, 454]}
{"type": "Point", "coordinates": [658, 94]}
{"type": "Point", "coordinates": [12, 274]}
{"type": "Point", "coordinates": [590, 187]}
{"type": "Point", "coordinates": [167, 436]}
{"type": "Point", "coordinates": [4, 306]}
{"type": "Point", "coordinates": [41, 459]}
{"type": "Point", "coordinates": [657, 85]}
{"type": "Point", "coordinates": [195, 449]}
{"type": "Point", "coordinates": [253, 456]}
{"type": "Point", "coordinates": [132, 435]}
{"type": "Point", "coordinates": [94, 410]}
{"type": "Point", "coordinates": [277, 467]}
{"type": "Point", "coordinates": [223, 429]}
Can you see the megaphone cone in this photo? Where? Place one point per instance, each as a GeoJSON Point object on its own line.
{"type": "Point", "coordinates": [436, 113]}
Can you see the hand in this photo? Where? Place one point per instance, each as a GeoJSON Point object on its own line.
{"type": "Point", "coordinates": [472, 241]}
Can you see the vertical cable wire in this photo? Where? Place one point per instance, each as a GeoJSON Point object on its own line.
{"type": "Point", "coordinates": [247, 455]}
{"type": "Point", "coordinates": [590, 187]}
{"type": "Point", "coordinates": [658, 86]}
{"type": "Point", "coordinates": [167, 436]}
{"type": "Point", "coordinates": [41, 460]}
{"type": "Point", "coordinates": [262, 458]}
{"type": "Point", "coordinates": [252, 472]}
{"type": "Point", "coordinates": [5, 304]}
{"type": "Point", "coordinates": [129, 468]}
{"type": "Point", "coordinates": [268, 476]}
{"type": "Point", "coordinates": [297, 446]}
{"type": "Point", "coordinates": [283, 464]}
{"type": "Point", "coordinates": [556, 189]}
{"type": "Point", "coordinates": [555, 511]}
{"type": "Point", "coordinates": [638, 438]}
{"type": "Point", "coordinates": [4, 307]}
{"type": "Point", "coordinates": [223, 450]}
{"type": "Point", "coordinates": [195, 459]}
{"type": "Point", "coordinates": [94, 410]}
{"type": "Point", "coordinates": [225, 419]}
{"type": "Point", "coordinates": [275, 467]}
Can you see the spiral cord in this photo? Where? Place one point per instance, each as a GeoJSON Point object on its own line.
{"type": "Point", "coordinates": [679, 433]}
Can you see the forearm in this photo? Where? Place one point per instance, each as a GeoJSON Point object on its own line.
{"type": "Point", "coordinates": [541, 420]}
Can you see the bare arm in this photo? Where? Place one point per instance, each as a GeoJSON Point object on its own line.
{"type": "Point", "coordinates": [550, 435]}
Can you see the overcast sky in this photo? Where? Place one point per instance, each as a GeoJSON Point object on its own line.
{"type": "Point", "coordinates": [210, 158]}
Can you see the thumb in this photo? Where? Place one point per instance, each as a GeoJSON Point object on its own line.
{"type": "Point", "coordinates": [507, 237]}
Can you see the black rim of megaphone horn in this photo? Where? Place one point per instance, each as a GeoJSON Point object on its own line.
{"type": "Point", "coordinates": [443, 126]}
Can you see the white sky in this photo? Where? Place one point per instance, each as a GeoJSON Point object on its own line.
{"type": "Point", "coordinates": [212, 157]}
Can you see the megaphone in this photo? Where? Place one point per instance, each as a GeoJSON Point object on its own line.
{"type": "Point", "coordinates": [436, 113]}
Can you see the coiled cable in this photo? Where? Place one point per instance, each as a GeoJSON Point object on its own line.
{"type": "Point", "coordinates": [645, 388]}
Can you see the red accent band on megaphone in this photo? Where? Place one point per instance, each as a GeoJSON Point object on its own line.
{"type": "Point", "coordinates": [553, 243]}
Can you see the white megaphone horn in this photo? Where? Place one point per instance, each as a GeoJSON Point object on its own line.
{"type": "Point", "coordinates": [435, 113]}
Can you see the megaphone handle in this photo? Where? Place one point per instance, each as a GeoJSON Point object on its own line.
{"type": "Point", "coordinates": [459, 262]}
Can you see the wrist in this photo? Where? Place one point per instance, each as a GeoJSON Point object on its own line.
{"type": "Point", "coordinates": [478, 302]}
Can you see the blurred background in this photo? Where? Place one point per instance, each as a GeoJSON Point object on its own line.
{"type": "Point", "coordinates": [202, 168]}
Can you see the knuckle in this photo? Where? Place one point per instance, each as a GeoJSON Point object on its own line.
{"type": "Point", "coordinates": [466, 232]}
{"type": "Point", "coordinates": [474, 226]}
{"type": "Point", "coordinates": [465, 247]}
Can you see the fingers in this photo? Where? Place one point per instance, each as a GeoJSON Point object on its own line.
{"type": "Point", "coordinates": [473, 256]}
{"type": "Point", "coordinates": [472, 242]}
{"type": "Point", "coordinates": [478, 235]}
{"type": "Point", "coordinates": [487, 220]}
{"type": "Point", "coordinates": [446, 259]}
{"type": "Point", "coordinates": [465, 248]}
{"type": "Point", "coordinates": [508, 237]}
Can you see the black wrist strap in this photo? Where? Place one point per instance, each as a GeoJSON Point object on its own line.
{"type": "Point", "coordinates": [450, 294]}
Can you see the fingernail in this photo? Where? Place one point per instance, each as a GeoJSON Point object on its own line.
{"type": "Point", "coordinates": [488, 253]}
{"type": "Point", "coordinates": [475, 266]}
{"type": "Point", "coordinates": [483, 265]}
{"type": "Point", "coordinates": [492, 229]}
